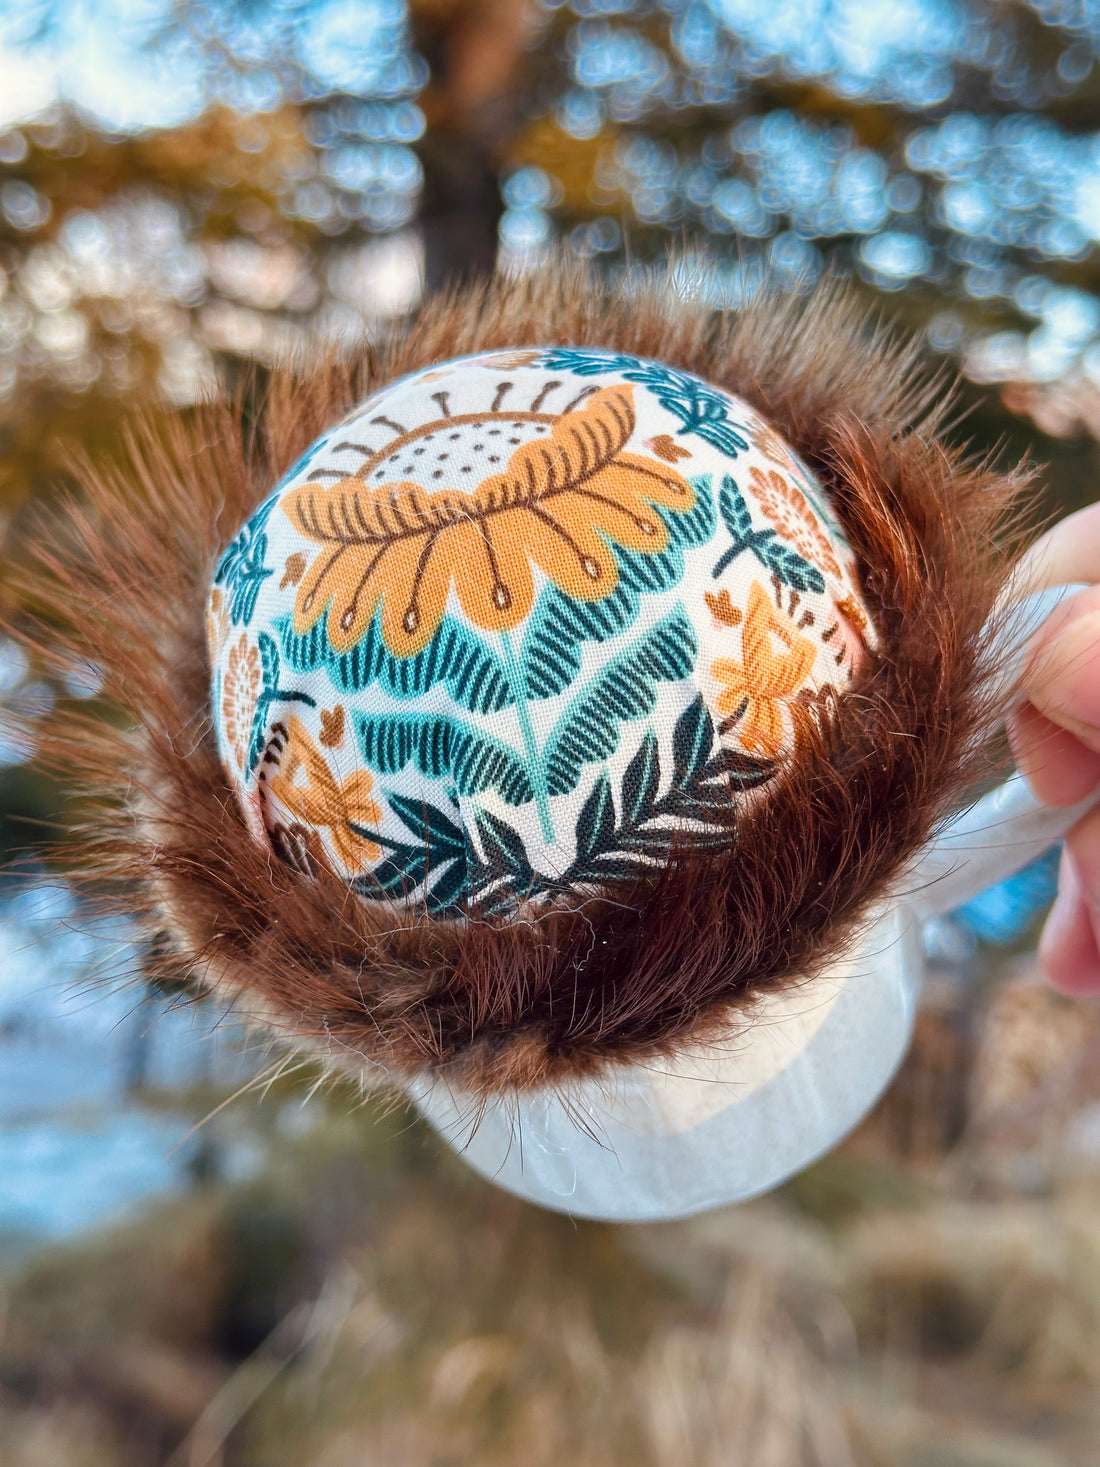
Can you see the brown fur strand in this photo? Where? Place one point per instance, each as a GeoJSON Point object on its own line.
{"type": "Point", "coordinates": [620, 977]}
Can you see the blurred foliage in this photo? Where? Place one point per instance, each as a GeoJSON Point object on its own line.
{"type": "Point", "coordinates": [208, 182]}
{"type": "Point", "coordinates": [188, 187]}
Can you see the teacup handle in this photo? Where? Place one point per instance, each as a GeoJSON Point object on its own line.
{"type": "Point", "coordinates": [1006, 829]}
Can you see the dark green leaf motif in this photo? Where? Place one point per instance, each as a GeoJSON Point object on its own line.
{"type": "Point", "coordinates": [611, 844]}
{"type": "Point", "coordinates": [692, 741]}
{"type": "Point", "coordinates": [505, 855]}
{"type": "Point", "coordinates": [595, 829]}
{"type": "Point", "coordinates": [774, 554]}
{"type": "Point", "coordinates": [703, 777]}
{"type": "Point", "coordinates": [634, 841]}
{"type": "Point", "coordinates": [469, 762]}
{"type": "Point", "coordinates": [434, 860]}
{"type": "Point", "coordinates": [641, 781]}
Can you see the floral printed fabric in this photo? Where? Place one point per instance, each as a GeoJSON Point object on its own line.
{"type": "Point", "coordinates": [520, 620]}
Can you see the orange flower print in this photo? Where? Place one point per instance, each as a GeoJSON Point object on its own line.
{"type": "Point", "coordinates": [790, 513]}
{"type": "Point", "coordinates": [722, 608]}
{"type": "Point", "coordinates": [768, 442]}
{"type": "Point", "coordinates": [757, 688]}
{"type": "Point", "coordinates": [667, 448]}
{"type": "Point", "coordinates": [293, 570]}
{"type": "Point", "coordinates": [240, 695]}
{"type": "Point", "coordinates": [846, 637]}
{"type": "Point", "coordinates": [311, 796]}
{"type": "Point", "coordinates": [217, 624]}
{"type": "Point", "coordinates": [332, 726]}
{"type": "Point", "coordinates": [561, 502]}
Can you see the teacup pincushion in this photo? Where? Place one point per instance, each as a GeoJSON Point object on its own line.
{"type": "Point", "coordinates": [521, 624]}
{"type": "Point", "coordinates": [529, 701]}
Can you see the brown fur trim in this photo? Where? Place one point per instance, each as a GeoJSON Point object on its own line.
{"type": "Point", "coordinates": [627, 976]}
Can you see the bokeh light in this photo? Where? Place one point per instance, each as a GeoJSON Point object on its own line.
{"type": "Point", "coordinates": [927, 147]}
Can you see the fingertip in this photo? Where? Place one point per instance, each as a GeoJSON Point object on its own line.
{"type": "Point", "coordinates": [1060, 769]}
{"type": "Point", "coordinates": [1069, 955]}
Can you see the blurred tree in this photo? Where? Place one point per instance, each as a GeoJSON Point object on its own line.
{"type": "Point", "coordinates": [323, 156]}
{"type": "Point", "coordinates": [938, 152]}
{"type": "Point", "coordinates": [476, 55]}
{"type": "Point", "coordinates": [198, 184]}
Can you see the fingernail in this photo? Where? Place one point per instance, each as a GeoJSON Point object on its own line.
{"type": "Point", "coordinates": [1081, 865]}
{"type": "Point", "coordinates": [1084, 876]}
{"type": "Point", "coordinates": [1067, 901]}
{"type": "Point", "coordinates": [1069, 878]}
{"type": "Point", "coordinates": [1056, 928]}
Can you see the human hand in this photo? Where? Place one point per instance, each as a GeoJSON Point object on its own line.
{"type": "Point", "coordinates": [1056, 740]}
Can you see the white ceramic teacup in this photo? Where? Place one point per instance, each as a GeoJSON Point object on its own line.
{"type": "Point", "coordinates": [729, 1121]}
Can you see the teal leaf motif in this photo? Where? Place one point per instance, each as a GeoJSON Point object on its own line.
{"type": "Point", "coordinates": [242, 570]}
{"type": "Point", "coordinates": [775, 555]}
{"type": "Point", "coordinates": [664, 569]}
{"type": "Point", "coordinates": [734, 510]}
{"type": "Point", "coordinates": [271, 692]}
{"type": "Point", "coordinates": [439, 747]}
{"type": "Point", "coordinates": [550, 653]}
{"type": "Point", "coordinates": [269, 661]}
{"type": "Point", "coordinates": [701, 409]}
{"type": "Point", "coordinates": [693, 526]}
{"type": "Point", "coordinates": [789, 567]}
{"type": "Point", "coordinates": [470, 671]}
{"type": "Point", "coordinates": [626, 688]}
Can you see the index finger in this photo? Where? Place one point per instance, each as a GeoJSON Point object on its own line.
{"type": "Point", "coordinates": [1068, 553]}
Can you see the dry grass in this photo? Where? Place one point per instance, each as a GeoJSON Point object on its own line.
{"type": "Point", "coordinates": [928, 1297]}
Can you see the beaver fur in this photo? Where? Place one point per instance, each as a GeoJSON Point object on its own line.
{"type": "Point", "coordinates": [627, 975]}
